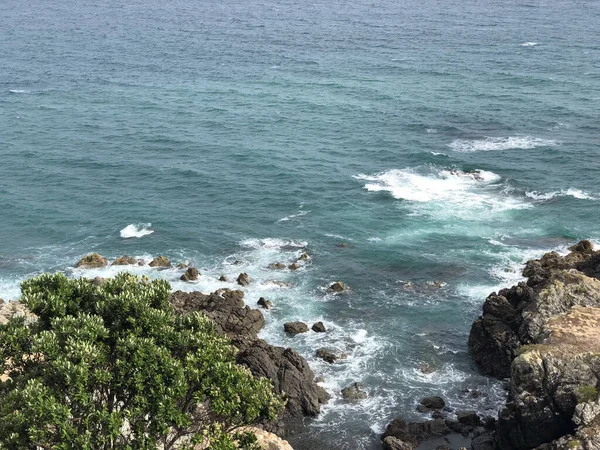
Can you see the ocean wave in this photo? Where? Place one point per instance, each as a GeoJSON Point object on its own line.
{"type": "Point", "coordinates": [439, 154]}
{"type": "Point", "coordinates": [19, 91]}
{"type": "Point", "coordinates": [136, 230]}
{"type": "Point", "coordinates": [273, 243]}
{"type": "Point", "coordinates": [293, 216]}
{"type": "Point", "coordinates": [529, 44]}
{"type": "Point", "coordinates": [498, 144]}
{"type": "Point", "coordinates": [571, 192]}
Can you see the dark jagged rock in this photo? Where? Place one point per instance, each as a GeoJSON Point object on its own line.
{"type": "Point", "coordinates": [294, 266]}
{"type": "Point", "coordinates": [226, 308]}
{"type": "Point", "coordinates": [277, 266]}
{"type": "Point", "coordinates": [243, 279]}
{"type": "Point", "coordinates": [294, 328]}
{"type": "Point", "coordinates": [318, 327]}
{"type": "Point", "coordinates": [190, 274]}
{"type": "Point", "coordinates": [288, 370]}
{"type": "Point", "coordinates": [355, 391]}
{"type": "Point", "coordinates": [516, 316]}
{"type": "Point", "coordinates": [160, 261]}
{"type": "Point", "coordinates": [545, 335]}
{"type": "Point", "coordinates": [264, 303]}
{"type": "Point", "coordinates": [223, 278]}
{"type": "Point", "coordinates": [434, 402]}
{"type": "Point", "coordinates": [124, 260]}
{"type": "Point", "coordinates": [304, 257]}
{"type": "Point", "coordinates": [289, 373]}
{"type": "Point", "coordinates": [92, 261]}
{"type": "Point", "coordinates": [329, 356]}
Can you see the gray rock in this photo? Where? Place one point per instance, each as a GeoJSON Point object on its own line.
{"type": "Point", "coordinates": [434, 402]}
{"type": "Point", "coordinates": [338, 286]}
{"type": "Point", "coordinates": [264, 303]}
{"type": "Point", "coordinates": [160, 261]}
{"type": "Point", "coordinates": [294, 328]}
{"type": "Point", "coordinates": [355, 391]}
{"type": "Point", "coordinates": [92, 261]}
{"type": "Point", "coordinates": [190, 274]}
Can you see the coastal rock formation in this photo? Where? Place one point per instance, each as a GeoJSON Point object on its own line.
{"type": "Point", "coordinates": [294, 328]}
{"type": "Point", "coordinates": [356, 391]}
{"type": "Point", "coordinates": [287, 369]}
{"type": "Point", "coordinates": [124, 260]}
{"type": "Point", "coordinates": [516, 316]}
{"type": "Point", "coordinates": [160, 261]}
{"type": "Point", "coordinates": [92, 261]}
{"type": "Point", "coordinates": [545, 335]}
{"type": "Point", "coordinates": [190, 274]}
{"type": "Point", "coordinates": [266, 440]}
{"type": "Point", "coordinates": [338, 286]}
{"type": "Point", "coordinates": [318, 327]}
{"type": "Point", "coordinates": [277, 266]}
{"type": "Point", "coordinates": [226, 308]}
{"type": "Point", "coordinates": [264, 303]}
{"type": "Point", "coordinates": [243, 279]}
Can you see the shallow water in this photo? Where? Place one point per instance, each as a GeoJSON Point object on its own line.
{"type": "Point", "coordinates": [439, 141]}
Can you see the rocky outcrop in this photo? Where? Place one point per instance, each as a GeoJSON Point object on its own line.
{"type": "Point", "coordinates": [226, 308]}
{"type": "Point", "coordinates": [243, 279]}
{"type": "Point", "coordinates": [160, 261]}
{"type": "Point", "coordinates": [287, 369]}
{"type": "Point", "coordinates": [92, 261]}
{"type": "Point", "coordinates": [289, 373]}
{"type": "Point", "coordinates": [264, 303]}
{"type": "Point", "coordinates": [545, 335]}
{"type": "Point", "coordinates": [191, 274]}
{"type": "Point", "coordinates": [338, 286]}
{"type": "Point", "coordinates": [516, 316]}
{"type": "Point", "coordinates": [266, 440]}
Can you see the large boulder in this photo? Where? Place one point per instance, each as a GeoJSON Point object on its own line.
{"type": "Point", "coordinates": [294, 328]}
{"type": "Point", "coordinates": [160, 261]}
{"type": "Point", "coordinates": [355, 391]}
{"type": "Point", "coordinates": [92, 261]}
{"type": "Point", "coordinates": [191, 274]}
{"type": "Point", "coordinates": [243, 279]}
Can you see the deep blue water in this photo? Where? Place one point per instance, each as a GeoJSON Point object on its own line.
{"type": "Point", "coordinates": [439, 140]}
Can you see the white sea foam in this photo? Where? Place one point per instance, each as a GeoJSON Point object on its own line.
{"type": "Point", "coordinates": [293, 216]}
{"type": "Point", "coordinates": [19, 91]}
{"type": "Point", "coordinates": [529, 44]}
{"type": "Point", "coordinates": [438, 154]}
{"type": "Point", "coordinates": [272, 243]}
{"type": "Point", "coordinates": [500, 143]}
{"type": "Point", "coordinates": [136, 230]}
{"type": "Point", "coordinates": [571, 192]}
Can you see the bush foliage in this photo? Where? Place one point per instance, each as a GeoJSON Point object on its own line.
{"type": "Point", "coordinates": [113, 367]}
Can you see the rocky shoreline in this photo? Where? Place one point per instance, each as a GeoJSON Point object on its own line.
{"type": "Point", "coordinates": [543, 335]}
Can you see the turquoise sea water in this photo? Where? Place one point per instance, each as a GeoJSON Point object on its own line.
{"type": "Point", "coordinates": [439, 141]}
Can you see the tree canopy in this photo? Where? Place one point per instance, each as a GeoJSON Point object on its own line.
{"type": "Point", "coordinates": [113, 367]}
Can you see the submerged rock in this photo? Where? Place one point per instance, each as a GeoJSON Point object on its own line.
{"type": "Point", "coordinates": [92, 261]}
{"type": "Point", "coordinates": [294, 266]}
{"type": "Point", "coordinates": [329, 356]}
{"type": "Point", "coordinates": [276, 266]}
{"type": "Point", "coordinates": [338, 286]}
{"type": "Point", "coordinates": [160, 261]}
{"type": "Point", "coordinates": [434, 402]}
{"type": "Point", "coordinates": [355, 391]}
{"type": "Point", "coordinates": [223, 278]}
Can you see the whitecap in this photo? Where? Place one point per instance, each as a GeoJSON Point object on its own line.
{"type": "Point", "coordinates": [19, 91]}
{"type": "Point", "coordinates": [438, 154]}
{"type": "Point", "coordinates": [136, 230]}
{"type": "Point", "coordinates": [293, 216]}
{"type": "Point", "coordinates": [570, 192]}
{"type": "Point", "coordinates": [529, 44]}
{"type": "Point", "coordinates": [499, 143]}
{"type": "Point", "coordinates": [272, 243]}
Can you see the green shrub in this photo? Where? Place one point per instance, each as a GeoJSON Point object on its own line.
{"type": "Point", "coordinates": [112, 367]}
{"type": "Point", "coordinates": [586, 393]}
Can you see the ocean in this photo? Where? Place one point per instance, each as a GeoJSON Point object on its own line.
{"type": "Point", "coordinates": [418, 151]}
